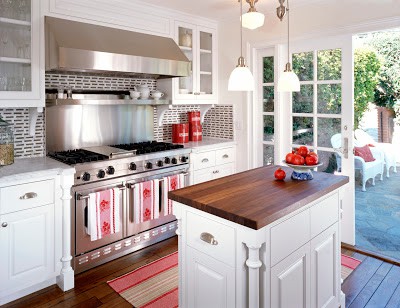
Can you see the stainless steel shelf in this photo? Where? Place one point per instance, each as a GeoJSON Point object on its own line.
{"type": "Point", "coordinates": [139, 102]}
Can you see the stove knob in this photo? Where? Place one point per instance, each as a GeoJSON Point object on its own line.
{"type": "Point", "coordinates": [167, 160]}
{"type": "Point", "coordinates": [101, 174]}
{"type": "Point", "coordinates": [174, 161]}
{"type": "Point", "coordinates": [110, 170]}
{"type": "Point", "coordinates": [159, 163]}
{"type": "Point", "coordinates": [184, 159]}
{"type": "Point", "coordinates": [86, 176]}
{"type": "Point", "coordinates": [132, 166]}
{"type": "Point", "coordinates": [149, 165]}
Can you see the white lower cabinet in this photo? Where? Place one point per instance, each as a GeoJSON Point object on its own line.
{"type": "Point", "coordinates": [27, 247]}
{"type": "Point", "coordinates": [212, 164]}
{"type": "Point", "coordinates": [210, 283]}
{"type": "Point", "coordinates": [290, 280]}
{"type": "Point", "coordinates": [224, 264]}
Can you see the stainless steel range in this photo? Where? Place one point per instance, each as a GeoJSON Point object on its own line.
{"type": "Point", "coordinates": [120, 166]}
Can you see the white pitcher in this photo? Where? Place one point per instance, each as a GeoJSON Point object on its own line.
{"type": "Point", "coordinates": [144, 91]}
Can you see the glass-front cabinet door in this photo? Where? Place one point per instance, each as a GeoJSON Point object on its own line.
{"type": "Point", "coordinates": [19, 53]}
{"type": "Point", "coordinates": [199, 45]}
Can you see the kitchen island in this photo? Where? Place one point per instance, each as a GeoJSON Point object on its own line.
{"type": "Point", "coordinates": [248, 240]}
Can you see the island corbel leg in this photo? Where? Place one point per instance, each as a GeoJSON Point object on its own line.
{"type": "Point", "coordinates": [66, 278]}
{"type": "Point", "coordinates": [254, 263]}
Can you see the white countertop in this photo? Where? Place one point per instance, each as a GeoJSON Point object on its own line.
{"type": "Point", "coordinates": [209, 144]}
{"type": "Point", "coordinates": [30, 168]}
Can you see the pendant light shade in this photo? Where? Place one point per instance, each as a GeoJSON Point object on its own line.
{"type": "Point", "coordinates": [288, 81]}
{"type": "Point", "coordinates": [241, 79]}
{"type": "Point", "coordinates": [253, 20]}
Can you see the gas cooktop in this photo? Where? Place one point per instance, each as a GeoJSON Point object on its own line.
{"type": "Point", "coordinates": [99, 163]}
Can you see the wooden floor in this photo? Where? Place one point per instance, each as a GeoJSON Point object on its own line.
{"type": "Point", "coordinates": [91, 288]}
{"type": "Point", "coordinates": [374, 283]}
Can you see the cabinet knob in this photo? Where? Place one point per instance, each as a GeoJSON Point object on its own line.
{"type": "Point", "coordinates": [28, 195]}
{"type": "Point", "coordinates": [4, 224]}
{"type": "Point", "coordinates": [208, 238]}
{"type": "Point", "coordinates": [204, 160]}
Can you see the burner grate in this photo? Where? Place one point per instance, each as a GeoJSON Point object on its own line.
{"type": "Point", "coordinates": [72, 157]}
{"type": "Point", "coordinates": [148, 146]}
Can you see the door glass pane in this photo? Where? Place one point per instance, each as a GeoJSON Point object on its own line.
{"type": "Point", "coordinates": [268, 128]}
{"type": "Point", "coordinates": [268, 99]}
{"type": "Point", "coordinates": [303, 100]}
{"type": "Point", "coordinates": [268, 69]}
{"type": "Point", "coordinates": [303, 130]}
{"type": "Point", "coordinates": [329, 160]}
{"type": "Point", "coordinates": [185, 43]}
{"type": "Point", "coordinates": [329, 64]}
{"type": "Point", "coordinates": [268, 157]}
{"type": "Point", "coordinates": [327, 127]}
{"type": "Point", "coordinates": [206, 63]}
{"type": "Point", "coordinates": [303, 65]}
{"type": "Point", "coordinates": [329, 98]}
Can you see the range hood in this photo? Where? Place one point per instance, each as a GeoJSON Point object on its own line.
{"type": "Point", "coordinates": [80, 47]}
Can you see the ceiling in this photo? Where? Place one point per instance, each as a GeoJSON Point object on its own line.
{"type": "Point", "coordinates": [228, 10]}
{"type": "Point", "coordinates": [224, 10]}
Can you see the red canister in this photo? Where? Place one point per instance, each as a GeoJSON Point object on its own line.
{"type": "Point", "coordinates": [194, 117]}
{"type": "Point", "coordinates": [180, 133]}
{"type": "Point", "coordinates": [195, 132]}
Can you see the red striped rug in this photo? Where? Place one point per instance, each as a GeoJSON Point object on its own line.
{"type": "Point", "coordinates": [349, 264]}
{"type": "Point", "coordinates": [152, 285]}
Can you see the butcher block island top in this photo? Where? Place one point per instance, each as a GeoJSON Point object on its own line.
{"type": "Point", "coordinates": [255, 198]}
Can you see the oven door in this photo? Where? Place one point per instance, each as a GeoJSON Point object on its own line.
{"type": "Point", "coordinates": [83, 242]}
{"type": "Point", "coordinates": [133, 227]}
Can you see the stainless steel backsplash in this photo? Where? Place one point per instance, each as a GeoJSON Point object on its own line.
{"type": "Point", "coordinates": [74, 127]}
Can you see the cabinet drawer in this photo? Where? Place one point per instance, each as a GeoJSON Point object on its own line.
{"type": "Point", "coordinates": [224, 250]}
{"type": "Point", "coordinates": [36, 194]}
{"type": "Point", "coordinates": [224, 156]}
{"type": "Point", "coordinates": [324, 214]}
{"type": "Point", "coordinates": [289, 235]}
{"type": "Point", "coordinates": [203, 160]}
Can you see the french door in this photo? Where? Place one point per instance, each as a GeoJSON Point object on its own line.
{"type": "Point", "coordinates": [322, 109]}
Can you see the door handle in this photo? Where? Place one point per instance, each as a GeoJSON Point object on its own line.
{"type": "Point", "coordinates": [28, 195]}
{"type": "Point", "coordinates": [208, 238]}
{"type": "Point", "coordinates": [204, 160]}
{"type": "Point", "coordinates": [346, 147]}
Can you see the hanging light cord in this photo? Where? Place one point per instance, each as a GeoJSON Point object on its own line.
{"type": "Point", "coordinates": [241, 29]}
{"type": "Point", "coordinates": [288, 46]}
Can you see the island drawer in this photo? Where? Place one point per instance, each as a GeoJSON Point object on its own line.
{"type": "Point", "coordinates": [224, 156]}
{"type": "Point", "coordinates": [203, 160]}
{"type": "Point", "coordinates": [201, 232]}
{"type": "Point", "coordinates": [324, 214]}
{"type": "Point", "coordinates": [25, 196]}
{"type": "Point", "coordinates": [289, 235]}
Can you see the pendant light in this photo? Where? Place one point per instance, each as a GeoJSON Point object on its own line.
{"type": "Point", "coordinates": [288, 82]}
{"type": "Point", "coordinates": [252, 19]}
{"type": "Point", "coordinates": [241, 78]}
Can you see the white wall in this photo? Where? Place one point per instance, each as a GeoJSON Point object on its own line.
{"type": "Point", "coordinates": [320, 19]}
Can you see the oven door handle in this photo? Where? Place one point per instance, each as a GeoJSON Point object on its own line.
{"type": "Point", "coordinates": [83, 197]}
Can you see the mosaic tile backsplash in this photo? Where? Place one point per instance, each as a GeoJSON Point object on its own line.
{"type": "Point", "coordinates": [218, 121]}
{"type": "Point", "coordinates": [25, 145]}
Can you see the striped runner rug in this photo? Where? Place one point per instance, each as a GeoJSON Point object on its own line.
{"type": "Point", "coordinates": [152, 285]}
{"type": "Point", "coordinates": [349, 264]}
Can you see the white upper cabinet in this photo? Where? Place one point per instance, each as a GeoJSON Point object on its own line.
{"type": "Point", "coordinates": [20, 54]}
{"type": "Point", "coordinates": [199, 44]}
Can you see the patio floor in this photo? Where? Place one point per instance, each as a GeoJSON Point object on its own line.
{"type": "Point", "coordinates": [378, 216]}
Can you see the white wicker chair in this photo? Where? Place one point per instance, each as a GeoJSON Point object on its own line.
{"type": "Point", "coordinates": [388, 149]}
{"type": "Point", "coordinates": [368, 170]}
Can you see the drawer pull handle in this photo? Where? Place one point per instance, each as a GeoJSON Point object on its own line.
{"type": "Point", "coordinates": [4, 224]}
{"type": "Point", "coordinates": [225, 156]}
{"type": "Point", "coordinates": [28, 195]}
{"type": "Point", "coordinates": [204, 160]}
{"type": "Point", "coordinates": [208, 238]}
